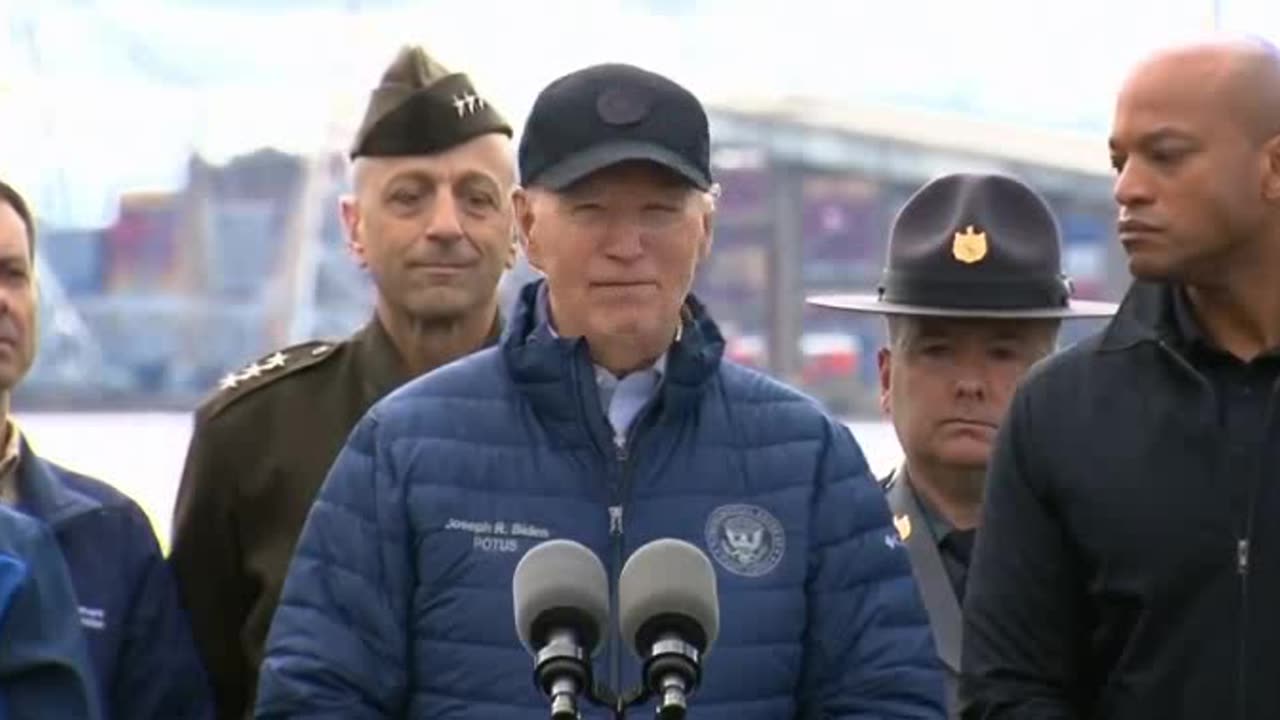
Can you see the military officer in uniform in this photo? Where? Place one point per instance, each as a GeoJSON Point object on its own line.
{"type": "Point", "coordinates": [973, 295]}
{"type": "Point", "coordinates": [430, 219]}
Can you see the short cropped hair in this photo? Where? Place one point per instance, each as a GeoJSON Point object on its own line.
{"type": "Point", "coordinates": [11, 197]}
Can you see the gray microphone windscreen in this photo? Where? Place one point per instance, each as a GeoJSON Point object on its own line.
{"type": "Point", "coordinates": [559, 585]}
{"type": "Point", "coordinates": [668, 579]}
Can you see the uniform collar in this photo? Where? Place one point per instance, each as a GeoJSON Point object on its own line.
{"type": "Point", "coordinates": [939, 526]}
{"type": "Point", "coordinates": [383, 367]}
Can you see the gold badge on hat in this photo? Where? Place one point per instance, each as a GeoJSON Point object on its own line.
{"type": "Point", "coordinates": [969, 246]}
{"type": "Point", "coordinates": [903, 523]}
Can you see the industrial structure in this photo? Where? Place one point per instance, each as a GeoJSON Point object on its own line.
{"type": "Point", "coordinates": [181, 287]}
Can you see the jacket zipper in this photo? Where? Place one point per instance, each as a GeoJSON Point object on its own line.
{"type": "Point", "coordinates": [1243, 568]}
{"type": "Point", "coordinates": [1244, 537]}
{"type": "Point", "coordinates": [622, 461]}
{"type": "Point", "coordinates": [618, 540]}
{"type": "Point", "coordinates": [623, 443]}
{"type": "Point", "coordinates": [1242, 661]}
{"type": "Point", "coordinates": [589, 407]}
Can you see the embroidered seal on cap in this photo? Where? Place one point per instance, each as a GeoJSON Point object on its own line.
{"type": "Point", "coordinates": [623, 106]}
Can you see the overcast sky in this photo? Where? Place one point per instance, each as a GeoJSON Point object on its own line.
{"type": "Point", "coordinates": [99, 97]}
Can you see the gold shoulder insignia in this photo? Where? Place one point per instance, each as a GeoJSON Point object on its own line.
{"type": "Point", "coordinates": [262, 372]}
{"type": "Point", "coordinates": [903, 524]}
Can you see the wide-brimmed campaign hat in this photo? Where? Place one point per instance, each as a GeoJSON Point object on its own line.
{"type": "Point", "coordinates": [975, 246]}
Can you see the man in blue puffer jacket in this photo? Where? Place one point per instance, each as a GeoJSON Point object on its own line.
{"type": "Point", "coordinates": [607, 416]}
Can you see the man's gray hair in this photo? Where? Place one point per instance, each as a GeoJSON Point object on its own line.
{"type": "Point", "coordinates": [902, 331]}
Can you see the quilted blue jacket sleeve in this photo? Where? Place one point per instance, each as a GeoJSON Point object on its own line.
{"type": "Point", "coordinates": [869, 652]}
{"type": "Point", "coordinates": [339, 643]}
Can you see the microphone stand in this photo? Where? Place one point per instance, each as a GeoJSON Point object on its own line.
{"type": "Point", "coordinates": [672, 671]}
{"type": "Point", "coordinates": [604, 697]}
{"type": "Point", "coordinates": [563, 672]}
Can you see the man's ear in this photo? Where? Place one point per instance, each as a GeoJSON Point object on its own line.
{"type": "Point", "coordinates": [513, 248]}
{"type": "Point", "coordinates": [1271, 169]}
{"type": "Point", "coordinates": [352, 223]}
{"type": "Point", "coordinates": [708, 233]}
{"type": "Point", "coordinates": [522, 203]}
{"type": "Point", "coordinates": [884, 362]}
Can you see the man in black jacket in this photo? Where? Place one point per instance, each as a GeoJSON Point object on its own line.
{"type": "Point", "coordinates": [1129, 563]}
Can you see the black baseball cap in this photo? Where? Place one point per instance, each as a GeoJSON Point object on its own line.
{"type": "Point", "coordinates": [612, 113]}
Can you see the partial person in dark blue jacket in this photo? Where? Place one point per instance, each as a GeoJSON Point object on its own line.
{"type": "Point", "coordinates": [607, 416]}
{"type": "Point", "coordinates": [138, 636]}
{"type": "Point", "coordinates": [44, 665]}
